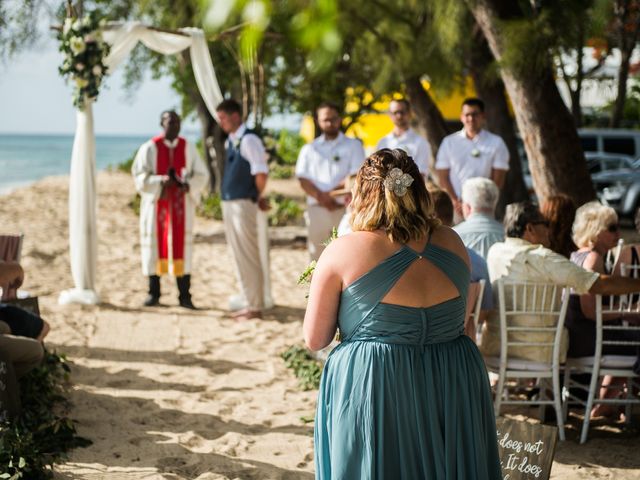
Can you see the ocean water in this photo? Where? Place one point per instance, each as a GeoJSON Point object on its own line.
{"type": "Point", "coordinates": [27, 158]}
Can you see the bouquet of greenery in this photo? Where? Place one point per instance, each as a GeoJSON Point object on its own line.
{"type": "Point", "coordinates": [84, 52]}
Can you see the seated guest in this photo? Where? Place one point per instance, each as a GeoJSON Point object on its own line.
{"type": "Point", "coordinates": [595, 232]}
{"type": "Point", "coordinates": [560, 211]}
{"type": "Point", "coordinates": [443, 207]}
{"type": "Point", "coordinates": [525, 256]}
{"type": "Point", "coordinates": [480, 229]}
{"type": "Point", "coordinates": [21, 348]}
{"type": "Point", "coordinates": [630, 254]}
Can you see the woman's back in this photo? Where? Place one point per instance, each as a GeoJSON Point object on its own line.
{"type": "Point", "coordinates": [421, 285]}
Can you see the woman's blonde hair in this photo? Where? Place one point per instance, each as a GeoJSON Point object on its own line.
{"type": "Point", "coordinates": [403, 218]}
{"type": "Point", "coordinates": [591, 219]}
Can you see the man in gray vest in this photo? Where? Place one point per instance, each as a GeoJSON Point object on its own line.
{"type": "Point", "coordinates": [243, 182]}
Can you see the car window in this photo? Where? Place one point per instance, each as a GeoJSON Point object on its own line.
{"type": "Point", "coordinates": [625, 145]}
{"type": "Point", "coordinates": [589, 143]}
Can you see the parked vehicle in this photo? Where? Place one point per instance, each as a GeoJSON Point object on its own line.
{"type": "Point", "coordinates": [617, 182]}
{"type": "Point", "coordinates": [610, 140]}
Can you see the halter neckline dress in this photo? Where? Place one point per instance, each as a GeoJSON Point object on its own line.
{"type": "Point", "coordinates": [406, 394]}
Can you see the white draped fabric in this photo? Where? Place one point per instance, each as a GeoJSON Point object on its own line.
{"type": "Point", "coordinates": [82, 193]}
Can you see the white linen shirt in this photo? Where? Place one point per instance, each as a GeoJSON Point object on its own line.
{"type": "Point", "coordinates": [412, 143]}
{"type": "Point", "coordinates": [252, 149]}
{"type": "Point", "coordinates": [327, 163]}
{"type": "Point", "coordinates": [471, 157]}
{"type": "Point", "coordinates": [517, 260]}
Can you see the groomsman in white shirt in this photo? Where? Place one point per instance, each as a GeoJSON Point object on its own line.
{"type": "Point", "coordinates": [471, 152]}
{"type": "Point", "coordinates": [322, 168]}
{"type": "Point", "coordinates": [404, 137]}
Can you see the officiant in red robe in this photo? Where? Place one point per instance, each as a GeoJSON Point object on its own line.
{"type": "Point", "coordinates": [169, 175]}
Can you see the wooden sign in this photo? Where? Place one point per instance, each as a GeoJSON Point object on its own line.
{"type": "Point", "coordinates": [526, 449]}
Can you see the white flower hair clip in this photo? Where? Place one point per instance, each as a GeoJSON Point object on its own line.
{"type": "Point", "coordinates": [398, 182]}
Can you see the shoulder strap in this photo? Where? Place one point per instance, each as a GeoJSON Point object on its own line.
{"type": "Point", "coordinates": [451, 264]}
{"type": "Point", "coordinates": [371, 287]}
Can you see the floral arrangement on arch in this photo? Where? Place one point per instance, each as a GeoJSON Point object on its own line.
{"type": "Point", "coordinates": [84, 52]}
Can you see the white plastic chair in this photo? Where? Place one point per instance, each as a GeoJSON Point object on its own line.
{"type": "Point", "coordinates": [474, 306]}
{"type": "Point", "coordinates": [600, 365]}
{"type": "Point", "coordinates": [531, 315]}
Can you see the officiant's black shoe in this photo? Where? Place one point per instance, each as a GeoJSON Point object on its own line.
{"type": "Point", "coordinates": [153, 298]}
{"type": "Point", "coordinates": [186, 303]}
{"type": "Point", "coordinates": [151, 301]}
{"type": "Point", "coordinates": [184, 285]}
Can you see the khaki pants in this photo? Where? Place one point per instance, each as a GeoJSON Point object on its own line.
{"type": "Point", "coordinates": [320, 222]}
{"type": "Point", "coordinates": [241, 229]}
{"type": "Point", "coordinates": [24, 353]}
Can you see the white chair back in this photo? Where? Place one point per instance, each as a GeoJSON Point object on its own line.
{"type": "Point", "coordinates": [615, 334]}
{"type": "Point", "coordinates": [474, 306]}
{"type": "Point", "coordinates": [532, 318]}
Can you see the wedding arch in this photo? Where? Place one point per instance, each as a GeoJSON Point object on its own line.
{"type": "Point", "coordinates": [83, 236]}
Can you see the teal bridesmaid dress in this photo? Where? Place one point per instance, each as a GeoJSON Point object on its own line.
{"type": "Point", "coordinates": [406, 394]}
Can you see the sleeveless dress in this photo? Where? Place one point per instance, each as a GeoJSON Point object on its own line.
{"type": "Point", "coordinates": [406, 394]}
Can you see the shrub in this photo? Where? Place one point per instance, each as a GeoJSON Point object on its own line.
{"type": "Point", "coordinates": [42, 434]}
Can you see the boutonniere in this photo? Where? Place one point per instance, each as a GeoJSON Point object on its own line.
{"type": "Point", "coordinates": [336, 158]}
{"type": "Point", "coordinates": [236, 143]}
{"type": "Point", "coordinates": [475, 152]}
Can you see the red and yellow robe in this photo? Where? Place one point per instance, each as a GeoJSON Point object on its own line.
{"type": "Point", "coordinates": [167, 215]}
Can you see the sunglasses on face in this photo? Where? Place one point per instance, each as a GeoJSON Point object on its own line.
{"type": "Point", "coordinates": [613, 228]}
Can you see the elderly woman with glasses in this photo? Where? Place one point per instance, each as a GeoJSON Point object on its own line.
{"type": "Point", "coordinates": [595, 232]}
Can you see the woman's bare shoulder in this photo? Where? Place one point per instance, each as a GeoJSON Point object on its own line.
{"type": "Point", "coordinates": [447, 238]}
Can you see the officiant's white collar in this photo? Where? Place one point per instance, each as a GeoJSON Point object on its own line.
{"type": "Point", "coordinates": [171, 144]}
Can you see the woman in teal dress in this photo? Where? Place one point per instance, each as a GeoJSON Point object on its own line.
{"type": "Point", "coordinates": [405, 395]}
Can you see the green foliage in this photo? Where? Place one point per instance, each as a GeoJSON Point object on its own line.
{"type": "Point", "coordinates": [304, 366]}
{"type": "Point", "coordinates": [210, 207]}
{"type": "Point", "coordinates": [42, 434]}
{"type": "Point", "coordinates": [127, 164]}
{"type": "Point", "coordinates": [19, 25]}
{"type": "Point", "coordinates": [305, 276]}
{"type": "Point", "coordinates": [284, 211]}
{"type": "Point", "coordinates": [281, 171]}
{"type": "Point", "coordinates": [287, 147]}
{"type": "Point", "coordinates": [134, 204]}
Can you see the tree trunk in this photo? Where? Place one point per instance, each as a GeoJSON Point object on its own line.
{"type": "Point", "coordinates": [429, 117]}
{"type": "Point", "coordinates": [621, 98]}
{"type": "Point", "coordinates": [550, 137]}
{"type": "Point", "coordinates": [628, 25]}
{"type": "Point", "coordinates": [499, 121]}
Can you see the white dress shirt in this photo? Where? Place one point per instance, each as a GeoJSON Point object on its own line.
{"type": "Point", "coordinates": [327, 163]}
{"type": "Point", "coordinates": [471, 157]}
{"type": "Point", "coordinates": [412, 143]}
{"type": "Point", "coordinates": [252, 149]}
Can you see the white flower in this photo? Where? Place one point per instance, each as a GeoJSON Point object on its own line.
{"type": "Point", "coordinates": [76, 25]}
{"type": "Point", "coordinates": [77, 45]}
{"type": "Point", "coordinates": [89, 38]}
{"type": "Point", "coordinates": [86, 21]}
{"type": "Point", "coordinates": [67, 25]}
{"type": "Point", "coordinates": [97, 70]}
{"type": "Point", "coordinates": [475, 152]}
{"type": "Point", "coordinates": [79, 66]}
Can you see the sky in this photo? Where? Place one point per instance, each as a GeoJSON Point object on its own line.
{"type": "Point", "coordinates": [34, 98]}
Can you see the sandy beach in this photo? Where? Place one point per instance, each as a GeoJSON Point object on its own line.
{"type": "Point", "coordinates": [167, 393]}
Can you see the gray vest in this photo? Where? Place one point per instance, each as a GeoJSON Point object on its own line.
{"type": "Point", "coordinates": [237, 181]}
